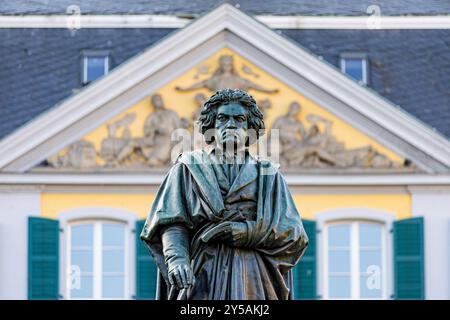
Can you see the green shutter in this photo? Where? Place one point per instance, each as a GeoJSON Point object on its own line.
{"type": "Point", "coordinates": [43, 258]}
{"type": "Point", "coordinates": [146, 269]}
{"type": "Point", "coordinates": [409, 259]}
{"type": "Point", "coordinates": [305, 271]}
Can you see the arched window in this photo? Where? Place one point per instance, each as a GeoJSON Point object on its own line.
{"type": "Point", "coordinates": [97, 256]}
{"type": "Point", "coordinates": [355, 260]}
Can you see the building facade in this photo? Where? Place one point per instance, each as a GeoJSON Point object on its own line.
{"type": "Point", "coordinates": [359, 107]}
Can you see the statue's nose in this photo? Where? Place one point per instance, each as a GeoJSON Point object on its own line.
{"type": "Point", "coordinates": [231, 124]}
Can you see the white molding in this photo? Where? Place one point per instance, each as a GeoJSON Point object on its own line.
{"type": "Point", "coordinates": [274, 22]}
{"type": "Point", "coordinates": [93, 21]}
{"type": "Point", "coordinates": [362, 23]}
{"type": "Point", "coordinates": [15, 147]}
{"type": "Point", "coordinates": [152, 179]}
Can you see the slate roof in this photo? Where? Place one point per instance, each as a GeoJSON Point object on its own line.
{"type": "Point", "coordinates": [195, 8]}
{"type": "Point", "coordinates": [41, 67]}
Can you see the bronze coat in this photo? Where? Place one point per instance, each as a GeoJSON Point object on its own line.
{"type": "Point", "coordinates": [195, 194]}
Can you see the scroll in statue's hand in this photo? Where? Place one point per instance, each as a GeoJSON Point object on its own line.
{"type": "Point", "coordinates": [231, 233]}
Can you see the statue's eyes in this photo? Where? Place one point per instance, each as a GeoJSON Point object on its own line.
{"type": "Point", "coordinates": [240, 119]}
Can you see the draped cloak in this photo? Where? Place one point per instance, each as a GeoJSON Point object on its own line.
{"type": "Point", "coordinates": [198, 194]}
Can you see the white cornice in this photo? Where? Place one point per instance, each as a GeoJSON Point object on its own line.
{"type": "Point", "coordinates": [359, 23]}
{"type": "Point", "coordinates": [26, 146]}
{"type": "Point", "coordinates": [152, 179]}
{"type": "Point", "coordinates": [274, 22]}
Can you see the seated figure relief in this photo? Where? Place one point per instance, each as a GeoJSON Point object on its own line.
{"type": "Point", "coordinates": [79, 155]}
{"type": "Point", "coordinates": [318, 148]}
{"type": "Point", "coordinates": [153, 149]}
{"type": "Point", "coordinates": [156, 145]}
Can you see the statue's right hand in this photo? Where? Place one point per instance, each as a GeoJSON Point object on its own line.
{"type": "Point", "coordinates": [181, 276]}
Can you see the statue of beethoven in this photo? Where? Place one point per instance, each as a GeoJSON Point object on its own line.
{"type": "Point", "coordinates": [223, 224]}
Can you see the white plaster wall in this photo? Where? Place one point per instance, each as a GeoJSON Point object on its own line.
{"type": "Point", "coordinates": [15, 208]}
{"type": "Point", "coordinates": [434, 206]}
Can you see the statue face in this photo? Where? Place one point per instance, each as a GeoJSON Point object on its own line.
{"type": "Point", "coordinates": [231, 126]}
{"type": "Point", "coordinates": [226, 63]}
{"type": "Point", "coordinates": [294, 109]}
{"type": "Point", "coordinates": [157, 101]}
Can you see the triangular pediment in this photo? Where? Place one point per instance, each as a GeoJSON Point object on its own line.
{"type": "Point", "coordinates": [110, 124]}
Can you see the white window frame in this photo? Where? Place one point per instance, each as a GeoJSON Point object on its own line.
{"type": "Point", "coordinates": [69, 217]}
{"type": "Point", "coordinates": [94, 54]}
{"type": "Point", "coordinates": [364, 65]}
{"type": "Point", "coordinates": [325, 217]}
{"type": "Point", "coordinates": [97, 272]}
{"type": "Point", "coordinates": [354, 258]}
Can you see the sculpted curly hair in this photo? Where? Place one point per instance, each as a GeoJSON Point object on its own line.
{"type": "Point", "coordinates": [208, 113]}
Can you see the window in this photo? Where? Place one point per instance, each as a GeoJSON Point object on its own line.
{"type": "Point", "coordinates": [95, 65]}
{"type": "Point", "coordinates": [355, 261]}
{"type": "Point", "coordinates": [97, 260]}
{"type": "Point", "coordinates": [355, 66]}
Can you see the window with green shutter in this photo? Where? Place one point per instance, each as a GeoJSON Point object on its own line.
{"type": "Point", "coordinates": [146, 270]}
{"type": "Point", "coordinates": [409, 259]}
{"type": "Point", "coordinates": [43, 258]}
{"type": "Point", "coordinates": [305, 271]}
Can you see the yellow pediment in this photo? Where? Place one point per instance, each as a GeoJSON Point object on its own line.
{"type": "Point", "coordinates": [125, 141]}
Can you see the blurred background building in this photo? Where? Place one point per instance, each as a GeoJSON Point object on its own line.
{"type": "Point", "coordinates": [91, 91]}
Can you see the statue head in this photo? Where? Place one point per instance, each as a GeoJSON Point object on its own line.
{"type": "Point", "coordinates": [231, 116]}
{"type": "Point", "coordinates": [294, 109]}
{"type": "Point", "coordinates": [226, 64]}
{"type": "Point", "coordinates": [157, 101]}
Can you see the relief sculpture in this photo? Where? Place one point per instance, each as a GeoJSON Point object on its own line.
{"type": "Point", "coordinates": [316, 147]}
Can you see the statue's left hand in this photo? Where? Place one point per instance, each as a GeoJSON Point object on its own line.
{"type": "Point", "coordinates": [231, 233]}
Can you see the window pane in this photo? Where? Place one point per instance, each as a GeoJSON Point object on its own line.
{"type": "Point", "coordinates": [339, 287]}
{"type": "Point", "coordinates": [370, 286]}
{"type": "Point", "coordinates": [113, 261]}
{"type": "Point", "coordinates": [83, 288]}
{"type": "Point", "coordinates": [339, 235]}
{"type": "Point", "coordinates": [354, 68]}
{"type": "Point", "coordinates": [339, 261]}
{"type": "Point", "coordinates": [113, 286]}
{"type": "Point", "coordinates": [369, 235]}
{"type": "Point", "coordinates": [369, 258]}
{"type": "Point", "coordinates": [82, 259]}
{"type": "Point", "coordinates": [82, 235]}
{"type": "Point", "coordinates": [95, 67]}
{"type": "Point", "coordinates": [113, 235]}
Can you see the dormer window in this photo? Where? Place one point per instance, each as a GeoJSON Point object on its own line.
{"type": "Point", "coordinates": [95, 65]}
{"type": "Point", "coordinates": [355, 65]}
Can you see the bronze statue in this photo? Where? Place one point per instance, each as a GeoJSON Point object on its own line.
{"type": "Point", "coordinates": [223, 224]}
{"type": "Point", "coordinates": [226, 77]}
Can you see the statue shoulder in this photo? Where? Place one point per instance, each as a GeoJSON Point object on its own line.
{"type": "Point", "coordinates": [193, 157]}
{"type": "Point", "coordinates": [270, 166]}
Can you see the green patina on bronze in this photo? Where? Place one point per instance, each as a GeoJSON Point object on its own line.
{"type": "Point", "coordinates": [221, 229]}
